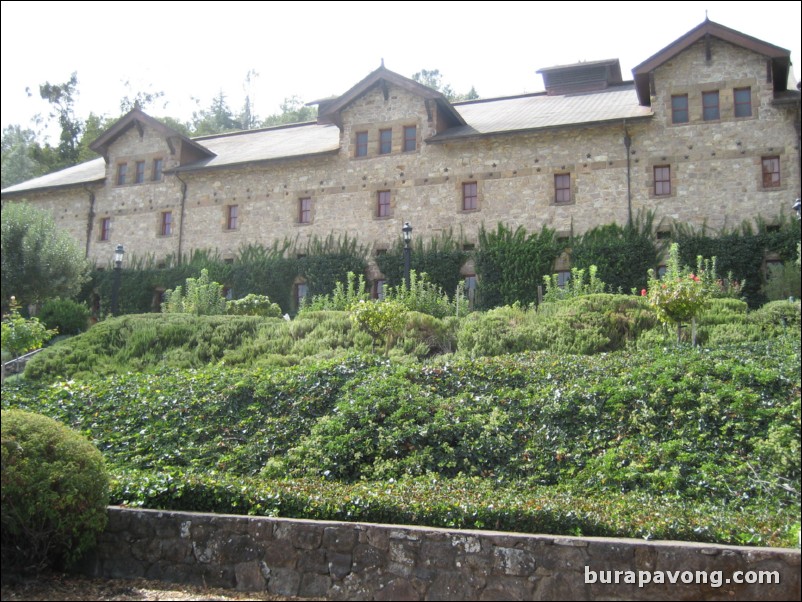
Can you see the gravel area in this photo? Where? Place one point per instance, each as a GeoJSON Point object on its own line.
{"type": "Point", "coordinates": [58, 586]}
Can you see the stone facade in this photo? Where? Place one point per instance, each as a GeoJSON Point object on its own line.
{"type": "Point", "coordinates": [357, 561]}
{"type": "Point", "coordinates": [712, 169]}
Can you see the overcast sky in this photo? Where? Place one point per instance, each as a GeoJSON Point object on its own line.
{"type": "Point", "coordinates": [192, 50]}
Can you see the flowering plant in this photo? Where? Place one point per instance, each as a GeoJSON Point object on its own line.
{"type": "Point", "coordinates": [680, 294]}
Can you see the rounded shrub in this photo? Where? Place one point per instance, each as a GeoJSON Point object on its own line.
{"type": "Point", "coordinates": [55, 490]}
{"type": "Point", "coordinates": [65, 315]}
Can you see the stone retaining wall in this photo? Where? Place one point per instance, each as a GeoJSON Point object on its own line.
{"type": "Point", "coordinates": [358, 561]}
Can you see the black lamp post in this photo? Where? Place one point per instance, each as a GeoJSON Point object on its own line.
{"type": "Point", "coordinates": [115, 288]}
{"type": "Point", "coordinates": [407, 231]}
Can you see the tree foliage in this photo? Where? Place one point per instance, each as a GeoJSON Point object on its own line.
{"type": "Point", "coordinates": [21, 335]}
{"type": "Point", "coordinates": [39, 260]}
{"type": "Point", "coordinates": [433, 79]}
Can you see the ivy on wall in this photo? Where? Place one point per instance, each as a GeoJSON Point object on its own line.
{"type": "Point", "coordinates": [440, 258]}
{"type": "Point", "coordinates": [510, 264]}
{"type": "Point", "coordinates": [623, 255]}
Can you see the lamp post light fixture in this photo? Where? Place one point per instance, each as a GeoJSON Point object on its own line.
{"type": "Point", "coordinates": [407, 231]}
{"type": "Point", "coordinates": [115, 288]}
{"type": "Point", "coordinates": [798, 207]}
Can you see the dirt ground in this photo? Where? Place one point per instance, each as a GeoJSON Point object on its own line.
{"type": "Point", "coordinates": [57, 586]}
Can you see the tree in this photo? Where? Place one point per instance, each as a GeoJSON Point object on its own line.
{"type": "Point", "coordinates": [62, 101]}
{"type": "Point", "coordinates": [293, 110]}
{"type": "Point", "coordinates": [39, 260]}
{"type": "Point", "coordinates": [217, 119]}
{"type": "Point", "coordinates": [18, 163]}
{"type": "Point", "coordinates": [433, 79]}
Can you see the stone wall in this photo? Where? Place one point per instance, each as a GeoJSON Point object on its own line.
{"type": "Point", "coordinates": [715, 168]}
{"type": "Point", "coordinates": [357, 561]}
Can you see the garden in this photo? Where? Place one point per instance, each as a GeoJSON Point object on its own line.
{"type": "Point", "coordinates": [671, 411]}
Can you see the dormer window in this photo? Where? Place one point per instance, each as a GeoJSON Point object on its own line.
{"type": "Point", "coordinates": [410, 138]}
{"type": "Point", "coordinates": [139, 176]}
{"type": "Point", "coordinates": [158, 166]}
{"type": "Point", "coordinates": [743, 102]}
{"type": "Point", "coordinates": [361, 144]}
{"type": "Point", "coordinates": [710, 110]}
{"type": "Point", "coordinates": [679, 108]}
{"type": "Point", "coordinates": [385, 142]}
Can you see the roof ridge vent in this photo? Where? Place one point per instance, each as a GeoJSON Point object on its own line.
{"type": "Point", "coordinates": [581, 77]}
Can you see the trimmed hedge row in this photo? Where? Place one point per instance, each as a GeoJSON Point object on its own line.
{"type": "Point", "coordinates": [718, 430]}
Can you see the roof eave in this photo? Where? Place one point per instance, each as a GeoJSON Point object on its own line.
{"type": "Point", "coordinates": [38, 189]}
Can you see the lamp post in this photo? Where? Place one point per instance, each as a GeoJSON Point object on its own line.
{"type": "Point", "coordinates": [798, 207]}
{"type": "Point", "coordinates": [115, 288]}
{"type": "Point", "coordinates": [407, 231]}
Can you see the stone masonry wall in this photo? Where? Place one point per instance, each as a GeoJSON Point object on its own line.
{"type": "Point", "coordinates": [715, 166]}
{"type": "Point", "coordinates": [357, 561]}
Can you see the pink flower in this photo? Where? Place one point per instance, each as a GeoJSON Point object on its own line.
{"type": "Point", "coordinates": [643, 292]}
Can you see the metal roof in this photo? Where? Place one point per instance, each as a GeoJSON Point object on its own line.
{"type": "Point", "coordinates": [283, 142]}
{"type": "Point", "coordinates": [483, 118]}
{"type": "Point", "coordinates": [83, 173]}
{"type": "Point", "coordinates": [539, 111]}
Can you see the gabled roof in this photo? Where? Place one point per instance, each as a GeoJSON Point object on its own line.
{"type": "Point", "coordinates": [138, 119]}
{"type": "Point", "coordinates": [781, 58]}
{"type": "Point", "coordinates": [328, 110]}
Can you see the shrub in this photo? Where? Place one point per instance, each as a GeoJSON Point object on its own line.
{"type": "Point", "coordinates": [65, 315]}
{"type": "Point", "coordinates": [253, 305]}
{"type": "Point", "coordinates": [382, 320]}
{"type": "Point", "coordinates": [576, 286]}
{"type": "Point", "coordinates": [54, 493]}
{"type": "Point", "coordinates": [201, 297]}
{"type": "Point", "coordinates": [20, 335]}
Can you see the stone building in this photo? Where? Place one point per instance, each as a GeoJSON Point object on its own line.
{"type": "Point", "coordinates": [707, 132]}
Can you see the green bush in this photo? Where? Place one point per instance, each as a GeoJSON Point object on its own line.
{"type": "Point", "coordinates": [65, 315]}
{"type": "Point", "coordinates": [55, 490]}
{"type": "Point", "coordinates": [144, 342]}
{"type": "Point", "coordinates": [253, 305]}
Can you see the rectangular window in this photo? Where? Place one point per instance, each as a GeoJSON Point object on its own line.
{"type": "Point", "coordinates": [378, 289]}
{"type": "Point", "coordinates": [139, 176]}
{"type": "Point", "coordinates": [385, 142]}
{"type": "Point", "coordinates": [383, 204]}
{"type": "Point", "coordinates": [743, 102]}
{"type": "Point", "coordinates": [105, 228]}
{"type": "Point", "coordinates": [232, 217]}
{"type": "Point", "coordinates": [563, 276]}
{"type": "Point", "coordinates": [158, 165]}
{"type": "Point", "coordinates": [301, 291]}
{"type": "Point", "coordinates": [470, 289]}
{"type": "Point", "coordinates": [710, 110]}
{"type": "Point", "coordinates": [305, 211]}
{"type": "Point", "coordinates": [679, 108]}
{"type": "Point", "coordinates": [470, 199]}
{"type": "Point", "coordinates": [662, 180]}
{"type": "Point", "coordinates": [167, 223]}
{"type": "Point", "coordinates": [771, 172]}
{"type": "Point", "coordinates": [410, 138]}
{"type": "Point", "coordinates": [562, 188]}
{"type": "Point", "coordinates": [361, 144]}
{"type": "Point", "coordinates": [122, 171]}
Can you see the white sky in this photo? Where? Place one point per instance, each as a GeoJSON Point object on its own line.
{"type": "Point", "coordinates": [317, 49]}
